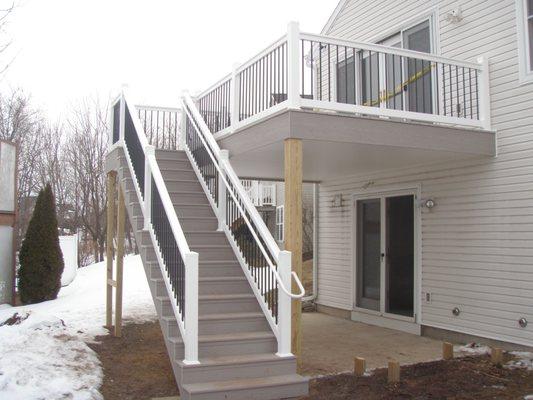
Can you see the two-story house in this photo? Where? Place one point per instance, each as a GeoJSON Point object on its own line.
{"type": "Point", "coordinates": [414, 117]}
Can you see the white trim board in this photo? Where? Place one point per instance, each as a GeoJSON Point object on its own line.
{"type": "Point", "coordinates": [525, 72]}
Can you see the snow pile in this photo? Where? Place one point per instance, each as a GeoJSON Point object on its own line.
{"type": "Point", "coordinates": [523, 360]}
{"type": "Point", "coordinates": [472, 349]}
{"type": "Point", "coordinates": [43, 354]}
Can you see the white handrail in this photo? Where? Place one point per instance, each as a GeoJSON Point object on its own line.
{"type": "Point", "coordinates": [188, 108]}
{"type": "Point", "coordinates": [256, 218]}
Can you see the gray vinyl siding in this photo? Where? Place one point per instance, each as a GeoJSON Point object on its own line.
{"type": "Point", "coordinates": [476, 244]}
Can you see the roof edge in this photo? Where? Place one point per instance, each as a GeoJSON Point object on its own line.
{"type": "Point", "coordinates": [333, 17]}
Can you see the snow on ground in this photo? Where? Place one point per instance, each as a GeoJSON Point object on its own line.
{"type": "Point", "coordinates": [523, 359]}
{"type": "Point", "coordinates": [43, 354]}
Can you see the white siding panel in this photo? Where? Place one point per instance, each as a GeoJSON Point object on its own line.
{"type": "Point", "coordinates": [477, 251]}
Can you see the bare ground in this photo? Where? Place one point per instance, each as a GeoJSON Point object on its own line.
{"type": "Point", "coordinates": [136, 366]}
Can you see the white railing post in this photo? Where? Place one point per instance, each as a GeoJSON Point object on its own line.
{"type": "Point", "coordinates": [191, 308]}
{"type": "Point", "coordinates": [122, 118]}
{"type": "Point", "coordinates": [293, 55]}
{"type": "Point", "coordinates": [234, 96]}
{"type": "Point", "coordinates": [224, 156]}
{"type": "Point", "coordinates": [484, 92]}
{"type": "Point", "coordinates": [285, 305]}
{"type": "Point", "coordinates": [149, 152]}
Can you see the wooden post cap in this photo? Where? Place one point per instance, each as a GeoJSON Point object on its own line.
{"type": "Point", "coordinates": [394, 371]}
{"type": "Point", "coordinates": [359, 366]}
{"type": "Point", "coordinates": [447, 351]}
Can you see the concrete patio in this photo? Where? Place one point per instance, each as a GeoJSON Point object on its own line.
{"type": "Point", "coordinates": [329, 345]}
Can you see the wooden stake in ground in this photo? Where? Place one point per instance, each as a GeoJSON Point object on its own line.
{"type": "Point", "coordinates": [393, 372]}
{"type": "Point", "coordinates": [447, 351]}
{"type": "Point", "coordinates": [496, 356]}
{"type": "Point", "coordinates": [121, 220]}
{"type": "Point", "coordinates": [359, 366]}
{"type": "Point", "coordinates": [111, 179]}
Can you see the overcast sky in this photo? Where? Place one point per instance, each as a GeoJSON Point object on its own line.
{"type": "Point", "coordinates": [68, 49]}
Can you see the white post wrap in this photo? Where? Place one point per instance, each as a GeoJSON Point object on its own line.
{"type": "Point", "coordinates": [234, 96]}
{"type": "Point", "coordinates": [149, 153]}
{"type": "Point", "coordinates": [224, 156]}
{"type": "Point", "coordinates": [285, 305]}
{"type": "Point", "coordinates": [484, 92]}
{"type": "Point", "coordinates": [122, 118]}
{"type": "Point", "coordinates": [293, 54]}
{"type": "Point", "coordinates": [191, 308]}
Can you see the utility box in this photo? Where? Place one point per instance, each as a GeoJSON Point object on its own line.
{"type": "Point", "coordinates": [8, 207]}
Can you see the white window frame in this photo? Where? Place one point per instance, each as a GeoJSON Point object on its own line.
{"type": "Point", "coordinates": [524, 67]}
{"type": "Point", "coordinates": [280, 223]}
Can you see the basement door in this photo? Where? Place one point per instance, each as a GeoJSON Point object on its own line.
{"type": "Point", "coordinates": [385, 248]}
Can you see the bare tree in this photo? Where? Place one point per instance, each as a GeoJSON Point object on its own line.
{"type": "Point", "coordinates": [85, 151]}
{"type": "Point", "coordinates": [23, 125]}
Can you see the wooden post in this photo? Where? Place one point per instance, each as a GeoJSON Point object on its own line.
{"type": "Point", "coordinates": [496, 356]}
{"type": "Point", "coordinates": [121, 219]}
{"type": "Point", "coordinates": [111, 183]}
{"type": "Point", "coordinates": [394, 371]}
{"type": "Point", "coordinates": [359, 366]}
{"type": "Point", "coordinates": [293, 229]}
{"type": "Point", "coordinates": [447, 351]}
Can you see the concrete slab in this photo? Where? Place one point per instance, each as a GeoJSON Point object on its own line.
{"type": "Point", "coordinates": [329, 345]}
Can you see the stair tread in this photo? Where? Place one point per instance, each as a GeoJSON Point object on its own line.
{"type": "Point", "coordinates": [211, 246]}
{"type": "Point", "coordinates": [228, 337]}
{"type": "Point", "coordinates": [240, 359]}
{"type": "Point", "coordinates": [224, 278]}
{"type": "Point", "coordinates": [238, 384]}
{"type": "Point", "coordinates": [237, 315]}
{"type": "Point", "coordinates": [226, 296]}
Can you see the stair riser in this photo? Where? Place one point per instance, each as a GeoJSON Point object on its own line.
{"type": "Point", "coordinates": [169, 327]}
{"type": "Point", "coordinates": [228, 306]}
{"type": "Point", "coordinates": [212, 238]}
{"type": "Point", "coordinates": [238, 371]}
{"type": "Point", "coordinates": [163, 307]}
{"type": "Point", "coordinates": [148, 254]}
{"type": "Point", "coordinates": [294, 390]}
{"type": "Point", "coordinates": [170, 165]}
{"type": "Point", "coordinates": [212, 271]}
{"type": "Point", "coordinates": [186, 186]}
{"type": "Point", "coordinates": [224, 287]}
{"type": "Point", "coordinates": [136, 210]}
{"type": "Point", "coordinates": [191, 225]}
{"type": "Point", "coordinates": [189, 211]}
{"type": "Point", "coordinates": [215, 254]}
{"type": "Point", "coordinates": [236, 325]}
{"type": "Point", "coordinates": [188, 198]}
{"type": "Point", "coordinates": [228, 348]}
{"type": "Point", "coordinates": [179, 175]}
{"type": "Point", "coordinates": [161, 155]}
{"type": "Point", "coordinates": [137, 223]}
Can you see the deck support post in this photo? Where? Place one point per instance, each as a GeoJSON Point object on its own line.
{"type": "Point", "coordinates": [293, 229]}
{"type": "Point", "coordinates": [110, 233]}
{"type": "Point", "coordinates": [121, 220]}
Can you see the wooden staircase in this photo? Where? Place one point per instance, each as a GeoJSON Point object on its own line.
{"type": "Point", "coordinates": [236, 345]}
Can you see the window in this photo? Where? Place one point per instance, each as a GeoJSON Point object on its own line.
{"type": "Point", "coordinates": [524, 13]}
{"type": "Point", "coordinates": [280, 219]}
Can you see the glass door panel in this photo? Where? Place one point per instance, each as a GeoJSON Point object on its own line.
{"type": "Point", "coordinates": [369, 254]}
{"type": "Point", "coordinates": [418, 72]}
{"type": "Point", "coordinates": [399, 265]}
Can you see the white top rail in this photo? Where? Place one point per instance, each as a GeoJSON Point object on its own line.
{"type": "Point", "coordinates": [158, 179]}
{"type": "Point", "coordinates": [388, 49]}
{"type": "Point", "coordinates": [223, 164]}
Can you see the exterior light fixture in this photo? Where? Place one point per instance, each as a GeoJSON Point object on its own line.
{"type": "Point", "coordinates": [428, 203]}
{"type": "Point", "coordinates": [336, 201]}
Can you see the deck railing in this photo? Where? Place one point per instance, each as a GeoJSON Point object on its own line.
{"type": "Point", "coordinates": [161, 126]}
{"type": "Point", "coordinates": [179, 265]}
{"type": "Point", "coordinates": [308, 71]}
{"type": "Point", "coordinates": [267, 268]}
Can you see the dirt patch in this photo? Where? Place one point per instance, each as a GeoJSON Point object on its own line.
{"type": "Point", "coordinates": [136, 366]}
{"type": "Point", "coordinates": [465, 378]}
